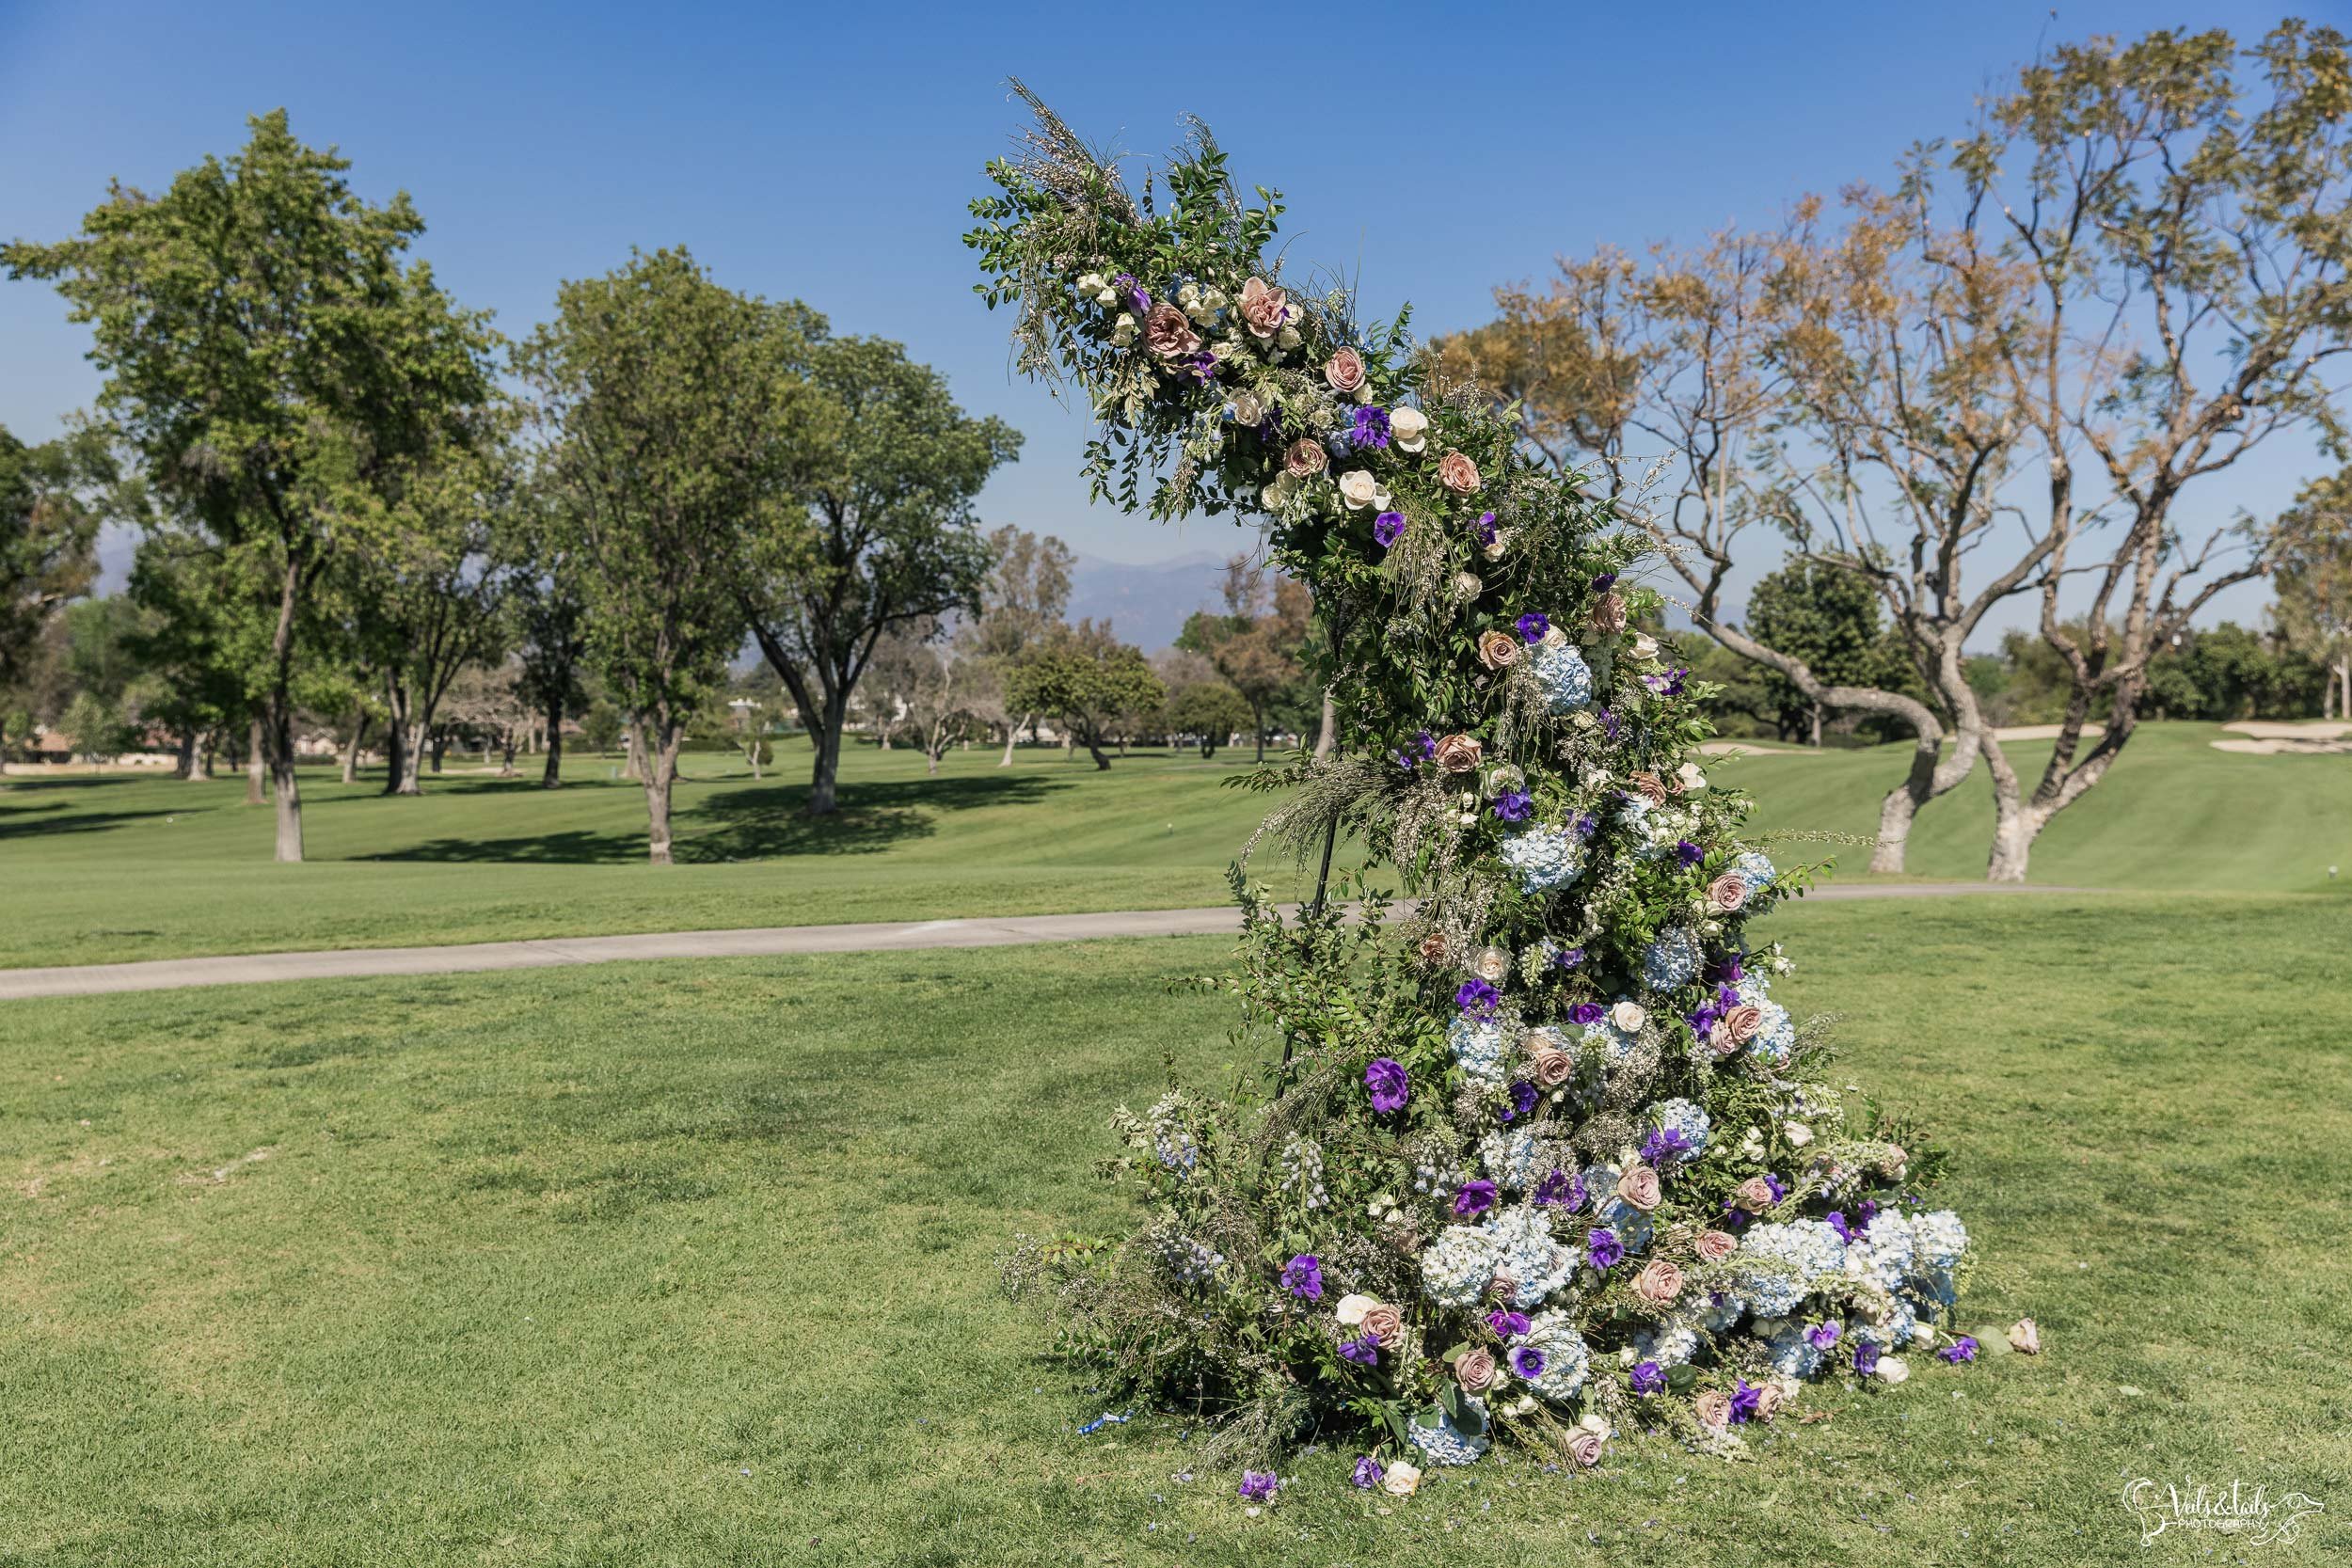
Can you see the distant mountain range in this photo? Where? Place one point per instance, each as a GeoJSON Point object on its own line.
{"type": "Point", "coordinates": [1146, 604]}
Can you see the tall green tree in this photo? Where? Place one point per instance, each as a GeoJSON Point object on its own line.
{"type": "Point", "coordinates": [551, 623]}
{"type": "Point", "coordinates": [1025, 596]}
{"type": "Point", "coordinates": [889, 538]}
{"type": "Point", "coordinates": [668, 404]}
{"type": "Point", "coordinates": [2314, 581]}
{"type": "Point", "coordinates": [47, 539]}
{"type": "Point", "coordinates": [1088, 680]}
{"type": "Point", "coordinates": [268, 356]}
{"type": "Point", "coordinates": [1829, 617]}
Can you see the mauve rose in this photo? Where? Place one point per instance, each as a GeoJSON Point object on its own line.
{"type": "Point", "coordinates": [1755, 1195]}
{"type": "Point", "coordinates": [1713, 1408]}
{"type": "Point", "coordinates": [1264, 306]}
{"type": "Point", "coordinates": [1457, 473]}
{"type": "Point", "coordinates": [1304, 458]}
{"type": "Point", "coordinates": [1741, 1024]}
{"type": "Point", "coordinates": [1386, 1324]}
{"type": "Point", "coordinates": [1767, 1403]}
{"type": "Point", "coordinates": [1497, 650]}
{"type": "Point", "coordinates": [1713, 1246]}
{"type": "Point", "coordinates": [1727, 893]}
{"type": "Point", "coordinates": [1475, 1369]}
{"type": "Point", "coordinates": [1639, 1188]}
{"type": "Point", "coordinates": [1168, 332]}
{"type": "Point", "coordinates": [1585, 1446]}
{"type": "Point", "coordinates": [1345, 371]}
{"type": "Point", "coordinates": [1659, 1284]}
{"type": "Point", "coordinates": [2025, 1337]}
{"type": "Point", "coordinates": [1433, 949]}
{"type": "Point", "coordinates": [1552, 1067]}
{"type": "Point", "coordinates": [1608, 614]}
{"type": "Point", "coordinates": [1460, 754]}
{"type": "Point", "coordinates": [1649, 786]}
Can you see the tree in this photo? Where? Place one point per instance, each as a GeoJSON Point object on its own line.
{"type": "Point", "coordinates": [2184, 236]}
{"type": "Point", "coordinates": [1208, 711]}
{"type": "Point", "coordinates": [550, 617]}
{"type": "Point", "coordinates": [1255, 645]}
{"type": "Point", "coordinates": [1086, 679]}
{"type": "Point", "coordinates": [1025, 594]}
{"type": "Point", "coordinates": [198, 638]}
{"type": "Point", "coordinates": [940, 692]}
{"type": "Point", "coordinates": [45, 555]}
{"type": "Point", "coordinates": [889, 471]}
{"type": "Point", "coordinates": [1829, 618]}
{"type": "Point", "coordinates": [2313, 579]}
{"type": "Point", "coordinates": [660, 395]}
{"type": "Point", "coordinates": [267, 358]}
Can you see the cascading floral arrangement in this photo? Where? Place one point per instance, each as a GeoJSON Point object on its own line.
{"type": "Point", "coordinates": [1541, 1157]}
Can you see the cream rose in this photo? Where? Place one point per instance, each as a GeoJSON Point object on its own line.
{"type": "Point", "coordinates": [1246, 410]}
{"type": "Point", "coordinates": [1629, 1016]}
{"type": "Point", "coordinates": [1726, 894]}
{"type": "Point", "coordinates": [2025, 1337]}
{"type": "Point", "coordinates": [1691, 777]}
{"type": "Point", "coordinates": [1475, 1369]}
{"type": "Point", "coordinates": [1645, 646]}
{"type": "Point", "coordinates": [1352, 1308]}
{"type": "Point", "coordinates": [1639, 1188]}
{"type": "Point", "coordinates": [1659, 1284]}
{"type": "Point", "coordinates": [1797, 1133]}
{"type": "Point", "coordinates": [1713, 1246]}
{"type": "Point", "coordinates": [1123, 330]}
{"type": "Point", "coordinates": [1585, 1446]}
{"type": "Point", "coordinates": [1892, 1369]}
{"type": "Point", "coordinates": [1359, 489]}
{"type": "Point", "coordinates": [1491, 963]}
{"type": "Point", "coordinates": [1168, 332]}
{"type": "Point", "coordinates": [1460, 754]}
{"type": "Point", "coordinates": [1498, 650]}
{"type": "Point", "coordinates": [1400, 1478]}
{"type": "Point", "coordinates": [1264, 308]}
{"type": "Point", "coordinates": [1457, 473]}
{"type": "Point", "coordinates": [1409, 428]}
{"type": "Point", "coordinates": [1467, 586]}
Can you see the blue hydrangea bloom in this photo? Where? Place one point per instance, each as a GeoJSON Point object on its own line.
{"type": "Point", "coordinates": [1544, 858]}
{"type": "Point", "coordinates": [1776, 1038]}
{"type": "Point", "coordinates": [1812, 1253]}
{"type": "Point", "coordinates": [1668, 1344]}
{"type": "Point", "coordinates": [1673, 961]}
{"type": "Point", "coordinates": [1447, 1444]}
{"type": "Point", "coordinates": [1564, 677]}
{"type": "Point", "coordinates": [1457, 1267]}
{"type": "Point", "coordinates": [1789, 1351]}
{"type": "Point", "coordinates": [1522, 1249]}
{"type": "Point", "coordinates": [1479, 1046]}
{"type": "Point", "coordinates": [1567, 1361]}
{"type": "Point", "coordinates": [1681, 1116]}
{"type": "Point", "coordinates": [1754, 870]}
{"type": "Point", "coordinates": [1941, 1238]}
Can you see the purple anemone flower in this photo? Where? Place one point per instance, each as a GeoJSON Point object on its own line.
{"type": "Point", "coordinates": [1648, 1377]}
{"type": "Point", "coordinates": [1959, 1349]}
{"type": "Point", "coordinates": [1513, 805]}
{"type": "Point", "coordinates": [1473, 1199]}
{"type": "Point", "coordinates": [1368, 1472]}
{"type": "Point", "coordinates": [1587, 1012]}
{"type": "Point", "coordinates": [1478, 996]}
{"type": "Point", "coordinates": [1569, 958]}
{"type": "Point", "coordinates": [1528, 1362]}
{"type": "Point", "coordinates": [1390, 1083]}
{"type": "Point", "coordinates": [1485, 528]}
{"type": "Point", "coordinates": [1258, 1485]}
{"type": "Point", "coordinates": [1688, 852]}
{"type": "Point", "coordinates": [1534, 625]}
{"type": "Point", "coordinates": [1507, 1323]}
{"type": "Point", "coordinates": [1604, 583]}
{"type": "Point", "coordinates": [1560, 1188]}
{"type": "Point", "coordinates": [1822, 1336]}
{"type": "Point", "coordinates": [1371, 429]}
{"type": "Point", "coordinates": [1866, 1358]}
{"type": "Point", "coordinates": [1364, 1352]}
{"type": "Point", "coordinates": [1745, 1399]}
{"type": "Point", "coordinates": [1302, 1277]}
{"type": "Point", "coordinates": [1602, 1248]}
{"type": "Point", "coordinates": [1387, 527]}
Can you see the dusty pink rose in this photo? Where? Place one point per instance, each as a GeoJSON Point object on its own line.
{"type": "Point", "coordinates": [1344, 372]}
{"type": "Point", "coordinates": [1586, 1445]}
{"type": "Point", "coordinates": [1713, 1409]}
{"type": "Point", "coordinates": [1304, 457]}
{"type": "Point", "coordinates": [1264, 308]}
{"type": "Point", "coordinates": [1755, 1195]}
{"type": "Point", "coordinates": [1433, 949]}
{"type": "Point", "coordinates": [1659, 1284]}
{"type": "Point", "coordinates": [1168, 332]}
{"type": "Point", "coordinates": [1551, 1066]}
{"type": "Point", "coordinates": [1767, 1403]}
{"type": "Point", "coordinates": [1639, 1188]}
{"type": "Point", "coordinates": [1735, 1028]}
{"type": "Point", "coordinates": [1461, 753]}
{"type": "Point", "coordinates": [1713, 1246]}
{"type": "Point", "coordinates": [1498, 650]}
{"type": "Point", "coordinates": [1892, 1162]}
{"type": "Point", "coordinates": [1457, 473]}
{"type": "Point", "coordinates": [2025, 1337]}
{"type": "Point", "coordinates": [1475, 1369]}
{"type": "Point", "coordinates": [1608, 614]}
{"type": "Point", "coordinates": [1386, 1324]}
{"type": "Point", "coordinates": [1727, 893]}
{"type": "Point", "coordinates": [1649, 786]}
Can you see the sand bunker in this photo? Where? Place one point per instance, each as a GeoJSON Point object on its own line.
{"type": "Point", "coordinates": [2311, 737]}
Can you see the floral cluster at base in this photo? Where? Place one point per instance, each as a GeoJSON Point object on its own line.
{"type": "Point", "coordinates": [1543, 1159]}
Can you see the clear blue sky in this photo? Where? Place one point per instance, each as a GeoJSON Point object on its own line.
{"type": "Point", "coordinates": [827, 152]}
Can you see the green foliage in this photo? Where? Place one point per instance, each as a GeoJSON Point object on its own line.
{"type": "Point", "coordinates": [45, 548]}
{"type": "Point", "coordinates": [1830, 617]}
{"type": "Point", "coordinates": [1088, 680]}
{"type": "Point", "coordinates": [1209, 710]}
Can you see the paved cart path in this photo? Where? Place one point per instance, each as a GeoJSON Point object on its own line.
{"type": "Point", "coordinates": [886, 937]}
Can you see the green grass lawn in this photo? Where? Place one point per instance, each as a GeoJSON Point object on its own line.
{"type": "Point", "coordinates": [126, 867]}
{"type": "Point", "coordinates": [691, 1263]}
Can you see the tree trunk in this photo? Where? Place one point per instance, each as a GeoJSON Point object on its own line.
{"type": "Point", "coordinates": [1094, 750]}
{"type": "Point", "coordinates": [351, 749]}
{"type": "Point", "coordinates": [824, 777]}
{"type": "Point", "coordinates": [1013, 733]}
{"type": "Point", "coordinates": [554, 777]}
{"type": "Point", "coordinates": [4, 744]}
{"type": "Point", "coordinates": [289, 792]}
{"type": "Point", "coordinates": [204, 753]}
{"type": "Point", "coordinates": [661, 750]}
{"type": "Point", "coordinates": [441, 745]}
{"type": "Point", "coordinates": [255, 764]}
{"type": "Point", "coordinates": [632, 752]}
{"type": "Point", "coordinates": [1327, 740]}
{"type": "Point", "coordinates": [188, 753]}
{"type": "Point", "coordinates": [1931, 774]}
{"type": "Point", "coordinates": [506, 751]}
{"type": "Point", "coordinates": [1257, 725]}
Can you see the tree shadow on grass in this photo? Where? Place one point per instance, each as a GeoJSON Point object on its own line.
{"type": "Point", "coordinates": [756, 823]}
{"type": "Point", "coordinates": [42, 820]}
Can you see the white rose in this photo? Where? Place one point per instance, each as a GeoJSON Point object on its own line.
{"type": "Point", "coordinates": [1359, 489]}
{"type": "Point", "coordinates": [1494, 551]}
{"type": "Point", "coordinates": [1288, 338]}
{"type": "Point", "coordinates": [1408, 428]}
{"type": "Point", "coordinates": [1213, 298]}
{"type": "Point", "coordinates": [1691, 776]}
{"type": "Point", "coordinates": [1363, 393]}
{"type": "Point", "coordinates": [1491, 963]}
{"type": "Point", "coordinates": [1201, 315]}
{"type": "Point", "coordinates": [1645, 645]}
{"type": "Point", "coordinates": [1352, 1308]}
{"type": "Point", "coordinates": [1891, 1370]}
{"type": "Point", "coordinates": [1798, 1134]}
{"type": "Point", "coordinates": [1597, 1425]}
{"type": "Point", "coordinates": [1187, 294]}
{"type": "Point", "coordinates": [1554, 636]}
{"type": "Point", "coordinates": [1467, 586]}
{"type": "Point", "coordinates": [1629, 1016]}
{"type": "Point", "coordinates": [1247, 408]}
{"type": "Point", "coordinates": [1400, 1478]}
